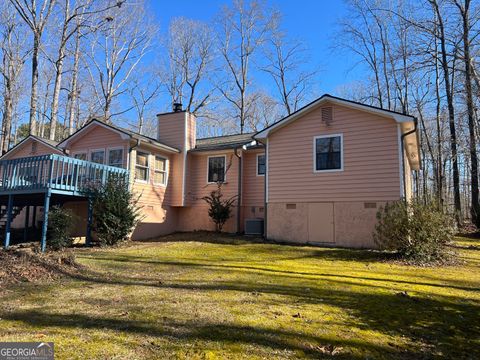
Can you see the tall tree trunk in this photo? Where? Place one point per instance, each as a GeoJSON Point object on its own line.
{"type": "Point", "coordinates": [440, 167]}
{"type": "Point", "coordinates": [74, 86]}
{"type": "Point", "coordinates": [451, 114]}
{"type": "Point", "coordinates": [7, 122]}
{"type": "Point", "coordinates": [56, 95]}
{"type": "Point", "coordinates": [475, 205]}
{"type": "Point", "coordinates": [59, 72]}
{"type": "Point", "coordinates": [34, 92]}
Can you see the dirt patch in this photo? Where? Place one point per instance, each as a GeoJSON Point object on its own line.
{"type": "Point", "coordinates": [23, 264]}
{"type": "Point", "coordinates": [207, 236]}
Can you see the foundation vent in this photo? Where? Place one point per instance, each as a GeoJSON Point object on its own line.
{"type": "Point", "coordinates": [34, 147]}
{"type": "Point", "coordinates": [291, 206]}
{"type": "Point", "coordinates": [370, 205]}
{"type": "Point", "coordinates": [327, 115]}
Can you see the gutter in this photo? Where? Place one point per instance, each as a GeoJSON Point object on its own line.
{"type": "Point", "coordinates": [402, 137]}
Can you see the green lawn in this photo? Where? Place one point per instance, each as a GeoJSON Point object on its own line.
{"type": "Point", "coordinates": [185, 299]}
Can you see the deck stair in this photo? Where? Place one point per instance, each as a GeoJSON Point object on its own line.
{"type": "Point", "coordinates": [16, 210]}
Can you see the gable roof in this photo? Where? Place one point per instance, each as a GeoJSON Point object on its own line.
{"type": "Point", "coordinates": [124, 133]}
{"type": "Point", "coordinates": [223, 142]}
{"type": "Point", "coordinates": [398, 117]}
{"type": "Point", "coordinates": [47, 142]}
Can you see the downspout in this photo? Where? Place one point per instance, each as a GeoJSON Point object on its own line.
{"type": "Point", "coordinates": [402, 137]}
{"type": "Point", "coordinates": [265, 192]}
{"type": "Point", "coordinates": [130, 156]}
{"type": "Point", "coordinates": [239, 193]}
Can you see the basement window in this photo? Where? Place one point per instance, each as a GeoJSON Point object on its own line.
{"type": "Point", "coordinates": [216, 169]}
{"type": "Point", "coordinates": [328, 153]}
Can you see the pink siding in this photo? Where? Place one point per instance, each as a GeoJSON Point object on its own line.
{"type": "Point", "coordinates": [371, 159]}
{"type": "Point", "coordinates": [171, 129]}
{"type": "Point", "coordinates": [253, 191]}
{"type": "Point", "coordinates": [195, 215]}
{"type": "Point", "coordinates": [178, 130]}
{"type": "Point", "coordinates": [151, 193]}
{"type": "Point", "coordinates": [26, 150]}
{"type": "Point", "coordinates": [197, 186]}
{"type": "Point", "coordinates": [98, 137]}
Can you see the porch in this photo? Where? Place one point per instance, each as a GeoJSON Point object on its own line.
{"type": "Point", "coordinates": [39, 181]}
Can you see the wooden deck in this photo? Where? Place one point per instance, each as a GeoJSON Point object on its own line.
{"type": "Point", "coordinates": [49, 175]}
{"type": "Point", "coordinates": [53, 173]}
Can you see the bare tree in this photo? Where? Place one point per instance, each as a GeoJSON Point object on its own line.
{"type": "Point", "coordinates": [263, 110]}
{"type": "Point", "coordinates": [73, 18]}
{"type": "Point", "coordinates": [464, 9]}
{"type": "Point", "coordinates": [190, 47]}
{"type": "Point", "coordinates": [451, 110]}
{"type": "Point", "coordinates": [143, 91]}
{"type": "Point", "coordinates": [35, 16]}
{"type": "Point", "coordinates": [116, 50]}
{"type": "Point", "coordinates": [12, 61]}
{"type": "Point", "coordinates": [286, 63]}
{"type": "Point", "coordinates": [244, 27]}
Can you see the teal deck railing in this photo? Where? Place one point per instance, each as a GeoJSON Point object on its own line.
{"type": "Point", "coordinates": [55, 173]}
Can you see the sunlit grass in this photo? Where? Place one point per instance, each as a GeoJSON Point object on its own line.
{"type": "Point", "coordinates": [187, 299]}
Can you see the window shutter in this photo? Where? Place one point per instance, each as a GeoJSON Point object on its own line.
{"type": "Point", "coordinates": [327, 115]}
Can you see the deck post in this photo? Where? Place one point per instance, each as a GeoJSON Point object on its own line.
{"type": "Point", "coordinates": [88, 237]}
{"type": "Point", "coordinates": [46, 207]}
{"type": "Point", "coordinates": [9, 221]}
{"type": "Point", "coordinates": [34, 217]}
{"type": "Point", "coordinates": [27, 222]}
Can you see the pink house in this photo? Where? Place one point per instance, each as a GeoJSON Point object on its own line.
{"type": "Point", "coordinates": [317, 176]}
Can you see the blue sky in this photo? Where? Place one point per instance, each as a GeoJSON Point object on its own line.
{"type": "Point", "coordinates": [313, 21]}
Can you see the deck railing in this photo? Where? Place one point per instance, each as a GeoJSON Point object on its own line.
{"type": "Point", "coordinates": [53, 172]}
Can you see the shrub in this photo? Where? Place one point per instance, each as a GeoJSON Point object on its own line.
{"type": "Point", "coordinates": [60, 224]}
{"type": "Point", "coordinates": [416, 231]}
{"type": "Point", "coordinates": [220, 209]}
{"type": "Point", "coordinates": [115, 211]}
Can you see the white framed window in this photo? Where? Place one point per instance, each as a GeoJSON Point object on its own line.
{"type": "Point", "coordinates": [142, 167]}
{"type": "Point", "coordinates": [328, 153]}
{"type": "Point", "coordinates": [261, 165]}
{"type": "Point", "coordinates": [81, 155]}
{"type": "Point", "coordinates": [115, 157]}
{"type": "Point", "coordinates": [97, 156]}
{"type": "Point", "coordinates": [216, 169]}
{"type": "Point", "coordinates": [160, 171]}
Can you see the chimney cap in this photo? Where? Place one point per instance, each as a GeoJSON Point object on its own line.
{"type": "Point", "coordinates": [177, 106]}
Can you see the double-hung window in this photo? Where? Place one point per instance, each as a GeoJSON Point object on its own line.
{"type": "Point", "coordinates": [80, 156]}
{"type": "Point", "coordinates": [98, 156]}
{"type": "Point", "coordinates": [328, 153]}
{"type": "Point", "coordinates": [160, 175]}
{"type": "Point", "coordinates": [216, 169]}
{"type": "Point", "coordinates": [141, 167]}
{"type": "Point", "coordinates": [261, 165]}
{"type": "Point", "coordinates": [115, 157]}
